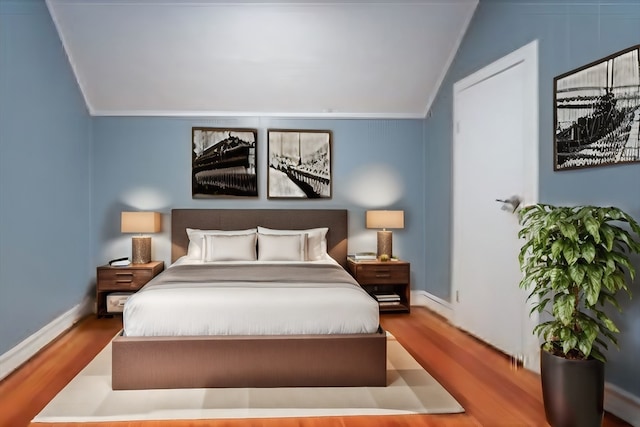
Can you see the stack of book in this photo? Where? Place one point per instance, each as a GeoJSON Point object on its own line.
{"type": "Point", "coordinates": [364, 256]}
{"type": "Point", "coordinates": [388, 300]}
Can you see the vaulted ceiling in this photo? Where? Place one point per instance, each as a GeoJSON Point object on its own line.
{"type": "Point", "coordinates": [313, 58]}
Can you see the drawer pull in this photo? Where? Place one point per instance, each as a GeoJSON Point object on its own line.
{"type": "Point", "coordinates": [124, 274]}
{"type": "Point", "coordinates": [383, 276]}
{"type": "Point", "coordinates": [124, 281]}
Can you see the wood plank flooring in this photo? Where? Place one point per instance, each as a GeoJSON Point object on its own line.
{"type": "Point", "coordinates": [480, 378]}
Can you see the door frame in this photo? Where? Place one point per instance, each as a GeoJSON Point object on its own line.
{"type": "Point", "coordinates": [528, 57]}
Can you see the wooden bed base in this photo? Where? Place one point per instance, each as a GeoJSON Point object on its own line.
{"type": "Point", "coordinates": [236, 361]}
{"type": "Point", "coordinates": [252, 361]}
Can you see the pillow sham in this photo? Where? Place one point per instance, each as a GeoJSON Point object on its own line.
{"type": "Point", "coordinates": [196, 239]}
{"type": "Point", "coordinates": [273, 247]}
{"type": "Point", "coordinates": [316, 240]}
{"type": "Point", "coordinates": [229, 247]}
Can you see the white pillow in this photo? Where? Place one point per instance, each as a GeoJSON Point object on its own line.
{"type": "Point", "coordinates": [196, 239]}
{"type": "Point", "coordinates": [229, 247]}
{"type": "Point", "coordinates": [290, 247]}
{"type": "Point", "coordinates": [316, 240]}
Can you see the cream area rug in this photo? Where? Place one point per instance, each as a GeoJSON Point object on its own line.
{"type": "Point", "coordinates": [89, 398]}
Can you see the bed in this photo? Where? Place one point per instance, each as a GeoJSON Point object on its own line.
{"type": "Point", "coordinates": [322, 333]}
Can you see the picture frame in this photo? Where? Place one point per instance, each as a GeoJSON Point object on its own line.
{"type": "Point", "coordinates": [224, 162]}
{"type": "Point", "coordinates": [299, 164]}
{"type": "Point", "coordinates": [597, 113]}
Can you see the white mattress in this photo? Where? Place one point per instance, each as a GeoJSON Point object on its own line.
{"type": "Point", "coordinates": [290, 307]}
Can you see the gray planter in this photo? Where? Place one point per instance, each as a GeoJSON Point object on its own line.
{"type": "Point", "coordinates": [573, 391]}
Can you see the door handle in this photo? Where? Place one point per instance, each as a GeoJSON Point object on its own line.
{"type": "Point", "coordinates": [510, 204]}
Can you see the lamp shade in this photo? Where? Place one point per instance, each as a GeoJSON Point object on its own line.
{"type": "Point", "coordinates": [385, 219]}
{"type": "Point", "coordinates": [140, 222]}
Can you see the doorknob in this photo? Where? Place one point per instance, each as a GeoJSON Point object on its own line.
{"type": "Point", "coordinates": [510, 204]}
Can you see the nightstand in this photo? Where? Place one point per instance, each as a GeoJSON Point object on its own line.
{"type": "Point", "coordinates": [388, 282]}
{"type": "Point", "coordinates": [127, 279]}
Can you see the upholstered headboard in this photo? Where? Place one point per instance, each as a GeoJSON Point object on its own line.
{"type": "Point", "coordinates": [238, 219]}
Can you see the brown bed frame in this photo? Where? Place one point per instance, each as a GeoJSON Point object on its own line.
{"type": "Point", "coordinates": [252, 361]}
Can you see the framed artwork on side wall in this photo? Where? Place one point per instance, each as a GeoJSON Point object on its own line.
{"type": "Point", "coordinates": [597, 113]}
{"type": "Point", "coordinates": [223, 162]}
{"type": "Point", "coordinates": [299, 164]}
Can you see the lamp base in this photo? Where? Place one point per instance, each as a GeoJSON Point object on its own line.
{"type": "Point", "coordinates": [140, 250]}
{"type": "Point", "coordinates": [385, 239]}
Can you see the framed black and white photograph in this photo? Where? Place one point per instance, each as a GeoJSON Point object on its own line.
{"type": "Point", "coordinates": [299, 164]}
{"type": "Point", "coordinates": [223, 162]}
{"type": "Point", "coordinates": [597, 113]}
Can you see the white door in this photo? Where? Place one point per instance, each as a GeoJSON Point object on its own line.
{"type": "Point", "coordinates": [494, 158]}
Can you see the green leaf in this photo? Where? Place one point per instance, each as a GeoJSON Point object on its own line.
{"type": "Point", "coordinates": [540, 306]}
{"type": "Point", "coordinates": [577, 273]}
{"type": "Point", "coordinates": [564, 307]}
{"type": "Point", "coordinates": [610, 264]}
{"type": "Point", "coordinates": [588, 252]}
{"type": "Point", "coordinates": [570, 253]}
{"type": "Point", "coordinates": [607, 297]}
{"type": "Point", "coordinates": [595, 353]}
{"type": "Point", "coordinates": [623, 236]}
{"type": "Point", "coordinates": [608, 323]}
{"type": "Point", "coordinates": [592, 226]}
{"type": "Point", "coordinates": [607, 234]}
{"type": "Point", "coordinates": [614, 213]}
{"type": "Point", "coordinates": [568, 230]}
{"type": "Point", "coordinates": [589, 328]}
{"type": "Point", "coordinates": [557, 248]}
{"type": "Point", "coordinates": [542, 328]}
{"type": "Point", "coordinates": [602, 343]}
{"type": "Point", "coordinates": [593, 285]}
{"type": "Point", "coordinates": [633, 223]}
{"type": "Point", "coordinates": [569, 343]}
{"type": "Point", "coordinates": [558, 279]}
{"type": "Point", "coordinates": [621, 282]}
{"type": "Point", "coordinates": [585, 347]}
{"type": "Point", "coordinates": [565, 333]}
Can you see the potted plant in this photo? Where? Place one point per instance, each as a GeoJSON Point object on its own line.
{"type": "Point", "coordinates": [575, 262]}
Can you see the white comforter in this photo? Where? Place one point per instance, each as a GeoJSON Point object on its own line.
{"type": "Point", "coordinates": [238, 307]}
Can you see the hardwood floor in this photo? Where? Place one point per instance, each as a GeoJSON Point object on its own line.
{"type": "Point", "coordinates": [481, 379]}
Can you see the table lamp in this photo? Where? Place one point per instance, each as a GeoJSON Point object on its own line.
{"type": "Point", "coordinates": [140, 222]}
{"type": "Point", "coordinates": [384, 220]}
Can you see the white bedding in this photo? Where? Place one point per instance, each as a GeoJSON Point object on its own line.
{"type": "Point", "coordinates": [249, 307]}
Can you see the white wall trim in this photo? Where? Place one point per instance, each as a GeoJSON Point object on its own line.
{"type": "Point", "coordinates": [432, 302]}
{"type": "Point", "coordinates": [622, 404]}
{"type": "Point", "coordinates": [25, 350]}
{"type": "Point", "coordinates": [81, 84]}
{"type": "Point", "coordinates": [266, 114]}
{"type": "Point", "coordinates": [452, 56]}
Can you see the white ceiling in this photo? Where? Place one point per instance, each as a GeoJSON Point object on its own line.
{"type": "Point", "coordinates": [322, 58]}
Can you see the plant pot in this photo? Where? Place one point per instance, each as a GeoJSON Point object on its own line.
{"type": "Point", "coordinates": [572, 390]}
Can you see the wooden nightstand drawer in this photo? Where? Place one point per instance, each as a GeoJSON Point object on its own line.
{"type": "Point", "coordinates": [123, 279]}
{"type": "Point", "coordinates": [382, 274]}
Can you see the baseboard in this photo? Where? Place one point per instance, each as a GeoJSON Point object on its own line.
{"type": "Point", "coordinates": [622, 404]}
{"type": "Point", "coordinates": [433, 303]}
{"type": "Point", "coordinates": [25, 350]}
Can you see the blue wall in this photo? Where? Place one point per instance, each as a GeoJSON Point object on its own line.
{"type": "Point", "coordinates": [145, 163]}
{"type": "Point", "coordinates": [45, 150]}
{"type": "Point", "coordinates": [569, 35]}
